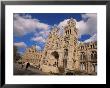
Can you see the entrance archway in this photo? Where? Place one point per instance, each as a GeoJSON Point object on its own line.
{"type": "Point", "coordinates": [56, 56]}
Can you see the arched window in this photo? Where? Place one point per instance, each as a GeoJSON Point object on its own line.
{"type": "Point", "coordinates": [95, 55]}
{"type": "Point", "coordinates": [81, 47]}
{"type": "Point", "coordinates": [81, 66]}
{"type": "Point", "coordinates": [83, 56]}
{"type": "Point", "coordinates": [91, 46]}
{"type": "Point", "coordinates": [92, 56]}
{"type": "Point", "coordinates": [66, 32]}
{"type": "Point", "coordinates": [66, 52]}
{"type": "Point", "coordinates": [94, 67]}
{"type": "Point", "coordinates": [45, 53]}
{"type": "Point", "coordinates": [70, 31]}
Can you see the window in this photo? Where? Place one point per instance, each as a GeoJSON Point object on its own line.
{"type": "Point", "coordinates": [66, 32]}
{"type": "Point", "coordinates": [82, 56]}
{"type": "Point", "coordinates": [70, 31]}
{"type": "Point", "coordinates": [45, 53]}
{"type": "Point", "coordinates": [66, 52]}
{"type": "Point", "coordinates": [82, 66]}
{"type": "Point", "coordinates": [93, 55]}
{"type": "Point", "coordinates": [91, 46]}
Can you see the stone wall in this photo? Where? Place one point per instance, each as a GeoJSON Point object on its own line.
{"type": "Point", "coordinates": [64, 51]}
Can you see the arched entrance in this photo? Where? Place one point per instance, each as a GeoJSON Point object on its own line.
{"type": "Point", "coordinates": [56, 56]}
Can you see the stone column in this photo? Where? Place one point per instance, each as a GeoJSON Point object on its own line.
{"type": "Point", "coordinates": [88, 62]}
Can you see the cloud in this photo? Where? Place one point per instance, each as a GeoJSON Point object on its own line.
{"type": "Point", "coordinates": [38, 47]}
{"type": "Point", "coordinates": [44, 34]}
{"type": "Point", "coordinates": [26, 24]}
{"type": "Point", "coordinates": [82, 28]}
{"type": "Point", "coordinates": [88, 24]}
{"type": "Point", "coordinates": [93, 38]}
{"type": "Point", "coordinates": [39, 39]}
{"type": "Point", "coordinates": [63, 23]}
{"type": "Point", "coordinates": [20, 44]}
{"type": "Point", "coordinates": [40, 36]}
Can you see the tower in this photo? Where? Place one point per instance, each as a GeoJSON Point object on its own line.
{"type": "Point", "coordinates": [70, 45]}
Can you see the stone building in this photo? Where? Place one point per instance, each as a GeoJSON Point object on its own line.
{"type": "Point", "coordinates": [63, 50]}
{"type": "Point", "coordinates": [32, 56]}
{"type": "Point", "coordinates": [88, 57]}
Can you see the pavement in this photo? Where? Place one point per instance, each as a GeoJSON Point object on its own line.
{"type": "Point", "coordinates": [18, 70]}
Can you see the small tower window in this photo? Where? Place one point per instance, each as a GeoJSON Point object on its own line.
{"type": "Point", "coordinates": [70, 31]}
{"type": "Point", "coordinates": [66, 32]}
{"type": "Point", "coordinates": [91, 46]}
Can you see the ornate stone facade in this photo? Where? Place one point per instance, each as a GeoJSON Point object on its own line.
{"type": "Point", "coordinates": [88, 57]}
{"type": "Point", "coordinates": [63, 50]}
{"type": "Point", "coordinates": [32, 56]}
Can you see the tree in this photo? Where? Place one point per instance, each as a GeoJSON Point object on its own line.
{"type": "Point", "coordinates": [16, 55]}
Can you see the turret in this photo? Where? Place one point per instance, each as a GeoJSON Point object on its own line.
{"type": "Point", "coordinates": [70, 46]}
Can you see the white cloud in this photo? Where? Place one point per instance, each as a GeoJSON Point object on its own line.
{"type": "Point", "coordinates": [61, 26]}
{"type": "Point", "coordinates": [38, 38]}
{"type": "Point", "coordinates": [82, 28]}
{"type": "Point", "coordinates": [20, 44]}
{"type": "Point", "coordinates": [44, 34]}
{"type": "Point", "coordinates": [41, 36]}
{"type": "Point", "coordinates": [93, 38]}
{"type": "Point", "coordinates": [38, 47]}
{"type": "Point", "coordinates": [63, 23]}
{"type": "Point", "coordinates": [27, 16]}
{"type": "Point", "coordinates": [88, 24]}
{"type": "Point", "coordinates": [89, 15]}
{"type": "Point", "coordinates": [25, 24]}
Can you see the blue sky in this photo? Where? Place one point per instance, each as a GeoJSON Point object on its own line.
{"type": "Point", "coordinates": [33, 28]}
